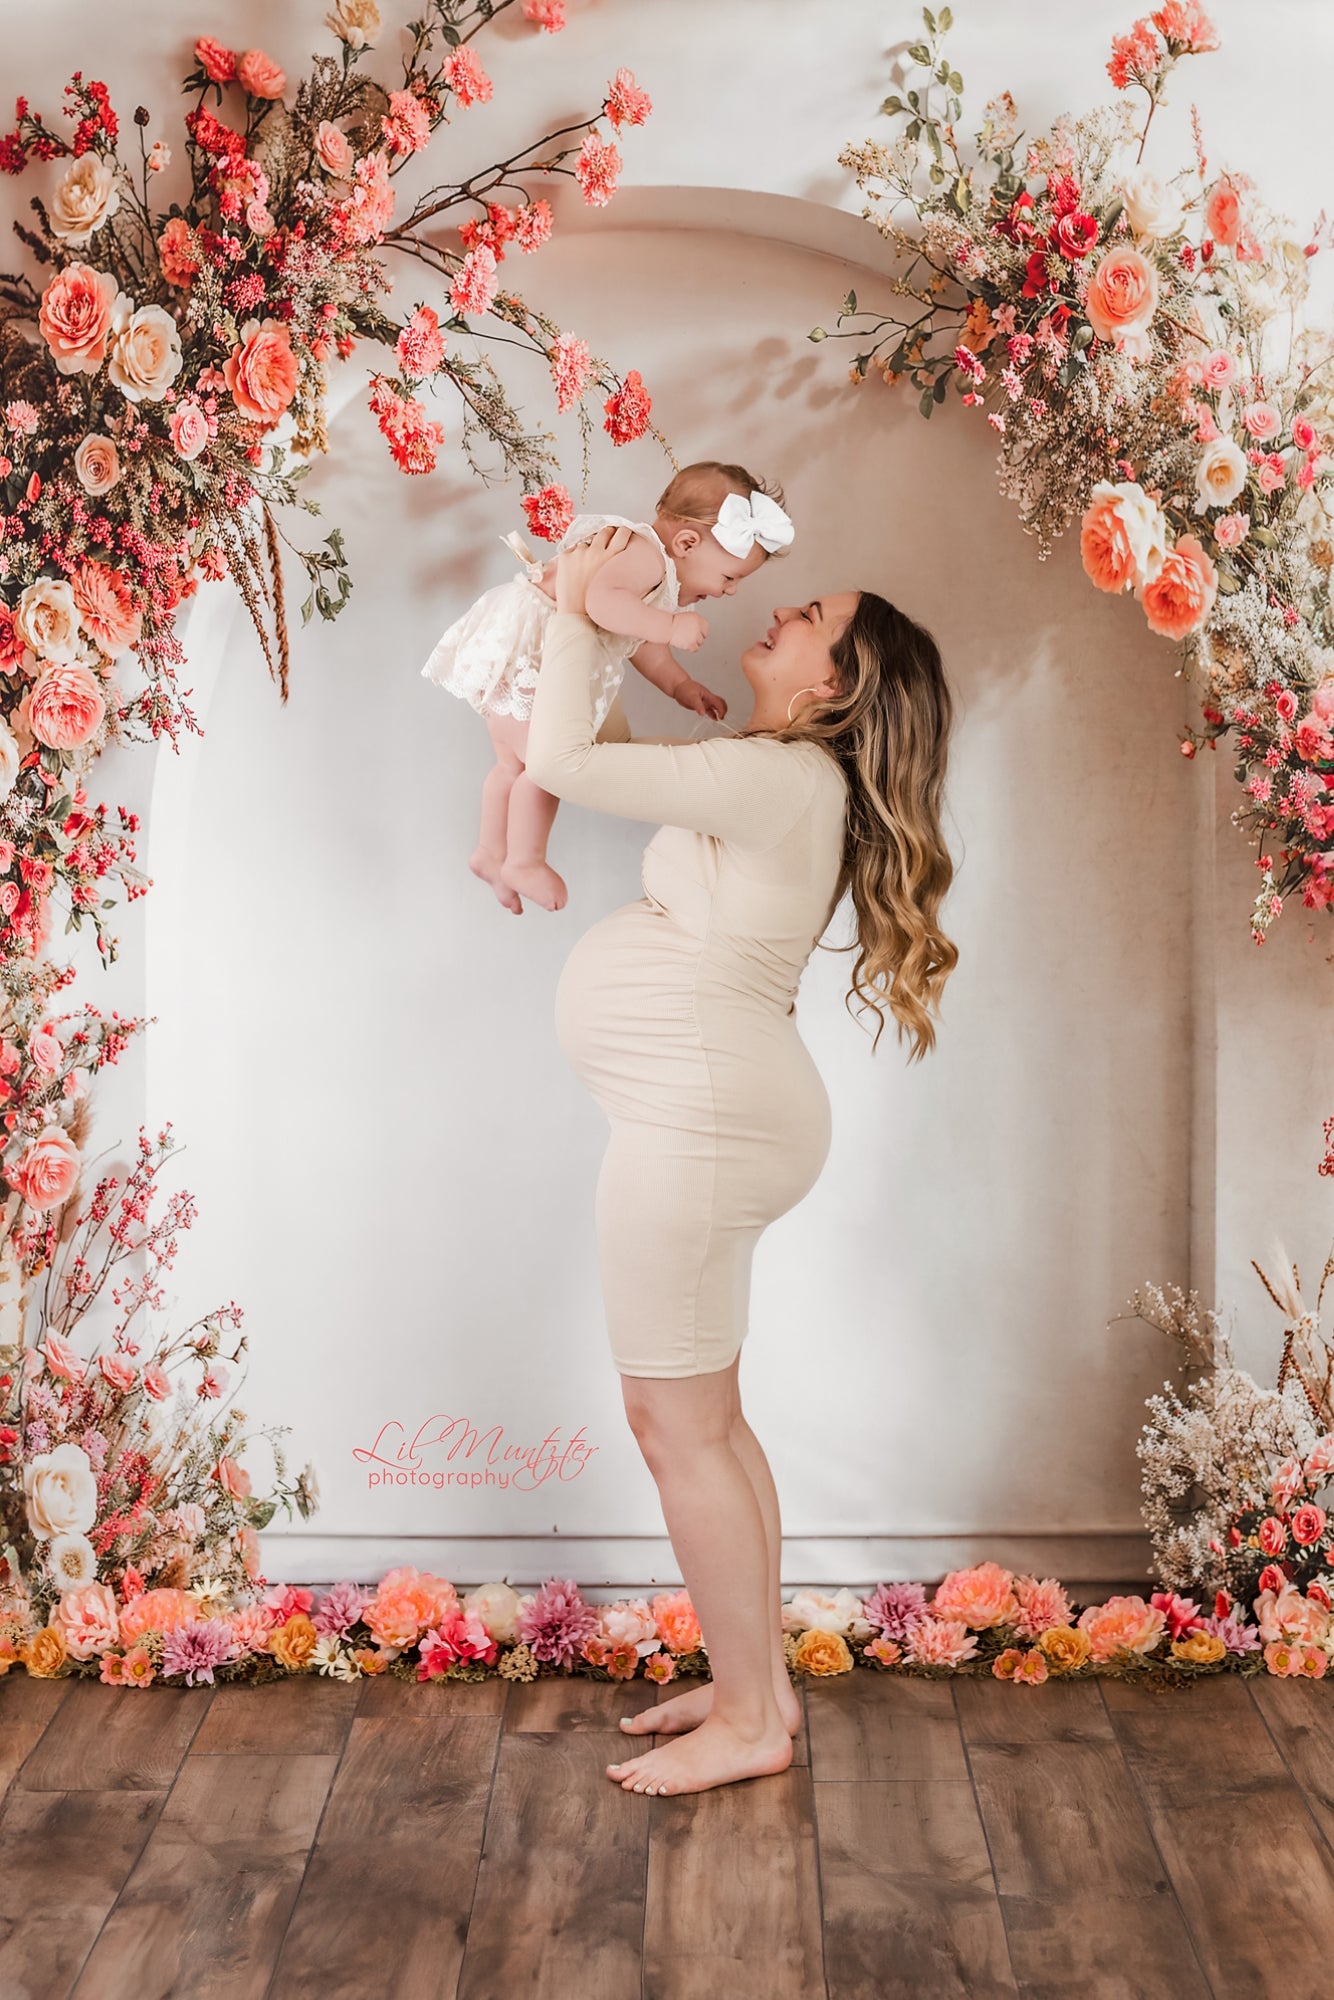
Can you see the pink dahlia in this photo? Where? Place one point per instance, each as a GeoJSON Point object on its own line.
{"type": "Point", "coordinates": [940, 1642]}
{"type": "Point", "coordinates": [339, 1609]}
{"type": "Point", "coordinates": [557, 1622]}
{"type": "Point", "coordinates": [195, 1650]}
{"type": "Point", "coordinates": [1041, 1605]}
{"type": "Point", "coordinates": [893, 1607]}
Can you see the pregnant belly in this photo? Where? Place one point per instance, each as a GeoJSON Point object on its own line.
{"type": "Point", "coordinates": [662, 1028]}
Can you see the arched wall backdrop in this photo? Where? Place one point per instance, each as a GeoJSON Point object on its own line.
{"type": "Point", "coordinates": [394, 1167]}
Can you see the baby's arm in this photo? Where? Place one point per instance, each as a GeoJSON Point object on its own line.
{"type": "Point", "coordinates": [616, 595]}
{"type": "Point", "coordinates": [659, 665]}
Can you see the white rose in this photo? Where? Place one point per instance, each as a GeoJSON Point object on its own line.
{"type": "Point", "coordinates": [84, 199]}
{"type": "Point", "coordinates": [1151, 208]}
{"type": "Point", "coordinates": [47, 619]}
{"type": "Point", "coordinates": [1220, 474]}
{"type": "Point", "coordinates": [356, 22]}
{"type": "Point", "coordinates": [60, 1491]}
{"type": "Point", "coordinates": [10, 758]}
{"type": "Point", "coordinates": [813, 1611]}
{"type": "Point", "coordinates": [97, 463]}
{"type": "Point", "coordinates": [498, 1608]}
{"type": "Point", "coordinates": [145, 356]}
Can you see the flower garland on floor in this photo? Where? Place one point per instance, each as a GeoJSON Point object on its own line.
{"type": "Point", "coordinates": [164, 385]}
{"type": "Point", "coordinates": [1136, 346]}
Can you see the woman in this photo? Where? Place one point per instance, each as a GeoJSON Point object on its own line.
{"type": "Point", "coordinates": [678, 1012]}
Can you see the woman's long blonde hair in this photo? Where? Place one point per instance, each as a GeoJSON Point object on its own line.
{"type": "Point", "coordinates": [888, 729]}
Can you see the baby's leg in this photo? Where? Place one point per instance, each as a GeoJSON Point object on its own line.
{"type": "Point", "coordinates": [531, 813]}
{"type": "Point", "coordinates": [488, 857]}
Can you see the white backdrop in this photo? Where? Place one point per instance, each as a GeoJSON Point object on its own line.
{"type": "Point", "coordinates": [394, 1167]}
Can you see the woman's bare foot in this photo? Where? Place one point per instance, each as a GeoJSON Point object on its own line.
{"type": "Point", "coordinates": [686, 1711]}
{"type": "Point", "coordinates": [713, 1754]}
{"type": "Point", "coordinates": [488, 867]}
{"type": "Point", "coordinates": [536, 881]}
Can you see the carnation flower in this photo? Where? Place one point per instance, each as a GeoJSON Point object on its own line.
{"type": "Point", "coordinates": [475, 284]}
{"type": "Point", "coordinates": [549, 15]}
{"type": "Point", "coordinates": [532, 225]}
{"type": "Point", "coordinates": [571, 366]}
{"type": "Point", "coordinates": [406, 125]}
{"type": "Point", "coordinates": [464, 75]}
{"type": "Point", "coordinates": [625, 103]}
{"type": "Point", "coordinates": [420, 348]}
{"type": "Point", "coordinates": [596, 167]}
{"type": "Point", "coordinates": [557, 1622]}
{"type": "Point", "coordinates": [549, 512]}
{"type": "Point", "coordinates": [627, 410]}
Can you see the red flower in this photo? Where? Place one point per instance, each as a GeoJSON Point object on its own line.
{"type": "Point", "coordinates": [549, 512]}
{"type": "Point", "coordinates": [1036, 280]}
{"type": "Point", "coordinates": [1075, 234]}
{"type": "Point", "coordinates": [1064, 192]}
{"type": "Point", "coordinates": [627, 410]}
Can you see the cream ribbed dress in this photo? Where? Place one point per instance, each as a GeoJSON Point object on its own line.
{"type": "Point", "coordinates": [678, 1010]}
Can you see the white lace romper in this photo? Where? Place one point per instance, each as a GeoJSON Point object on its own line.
{"type": "Point", "coordinates": [490, 656]}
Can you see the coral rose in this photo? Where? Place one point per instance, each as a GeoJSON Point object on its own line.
{"type": "Point", "coordinates": [259, 76]}
{"type": "Point", "coordinates": [145, 354]}
{"type": "Point", "coordinates": [1308, 1523]}
{"type": "Point", "coordinates": [1179, 599]}
{"type": "Point", "coordinates": [66, 705]}
{"type": "Point", "coordinates": [47, 619]}
{"type": "Point", "coordinates": [106, 606]}
{"type": "Point", "coordinates": [1122, 1623]}
{"type": "Point", "coordinates": [189, 429]}
{"type": "Point", "coordinates": [75, 317]}
{"type": "Point", "coordinates": [333, 149]}
{"type": "Point", "coordinates": [45, 1173]}
{"type": "Point", "coordinates": [97, 464]}
{"type": "Point", "coordinates": [1222, 213]}
{"type": "Point", "coordinates": [85, 198]}
{"type": "Point", "coordinates": [60, 1492]}
{"type": "Point", "coordinates": [262, 371]}
{"type": "Point", "coordinates": [86, 1618]}
{"type": "Point", "coordinates": [981, 1596]}
{"type": "Point", "coordinates": [179, 268]}
{"type": "Point", "coordinates": [1066, 1647]}
{"type": "Point", "coordinates": [1123, 536]}
{"type": "Point", "coordinates": [1122, 295]}
{"type": "Point", "coordinates": [819, 1652]}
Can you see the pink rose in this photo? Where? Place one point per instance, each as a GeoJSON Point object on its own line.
{"type": "Point", "coordinates": [117, 1371]}
{"type": "Point", "coordinates": [1272, 474]}
{"type": "Point", "coordinates": [106, 606]}
{"type": "Point", "coordinates": [259, 76]}
{"type": "Point", "coordinates": [46, 1172]}
{"type": "Point", "coordinates": [1272, 1535]}
{"type": "Point", "coordinates": [1230, 530]}
{"type": "Point", "coordinates": [1314, 744]}
{"type": "Point", "coordinates": [1122, 295]}
{"type": "Point", "coordinates": [87, 1619]}
{"type": "Point", "coordinates": [1285, 705]}
{"type": "Point", "coordinates": [1303, 433]}
{"type": "Point", "coordinates": [75, 317]}
{"type": "Point", "coordinates": [157, 1382]}
{"type": "Point", "coordinates": [97, 464]}
{"type": "Point", "coordinates": [262, 371]}
{"type": "Point", "coordinates": [61, 1358]}
{"type": "Point", "coordinates": [66, 707]}
{"type": "Point", "coordinates": [1222, 213]}
{"type": "Point", "coordinates": [10, 894]}
{"type": "Point", "coordinates": [1322, 704]}
{"type": "Point", "coordinates": [1181, 596]}
{"type": "Point", "coordinates": [1262, 420]}
{"type": "Point", "coordinates": [219, 64]}
{"type": "Point", "coordinates": [46, 1050]}
{"type": "Point", "coordinates": [9, 1058]}
{"type": "Point", "coordinates": [333, 149]}
{"type": "Point", "coordinates": [1219, 369]}
{"type": "Point", "coordinates": [189, 429]}
{"type": "Point", "coordinates": [1308, 1524]}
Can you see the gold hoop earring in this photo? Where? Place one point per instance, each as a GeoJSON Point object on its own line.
{"type": "Point", "coordinates": [797, 697]}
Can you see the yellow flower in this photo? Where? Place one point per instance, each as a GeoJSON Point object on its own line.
{"type": "Point", "coordinates": [1203, 1648]}
{"type": "Point", "coordinates": [978, 331]}
{"type": "Point", "coordinates": [293, 1643]}
{"type": "Point", "coordinates": [1066, 1647]}
{"type": "Point", "coordinates": [823, 1653]}
{"type": "Point", "coordinates": [44, 1654]}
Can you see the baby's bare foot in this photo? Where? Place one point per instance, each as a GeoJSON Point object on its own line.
{"type": "Point", "coordinates": [536, 881]}
{"type": "Point", "coordinates": [488, 867]}
{"type": "Point", "coordinates": [686, 1711]}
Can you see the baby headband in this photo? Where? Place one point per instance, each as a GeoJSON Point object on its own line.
{"type": "Point", "coordinates": [742, 522]}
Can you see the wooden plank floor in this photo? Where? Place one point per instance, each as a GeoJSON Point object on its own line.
{"type": "Point", "coordinates": [932, 1838]}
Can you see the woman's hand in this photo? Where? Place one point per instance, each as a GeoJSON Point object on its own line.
{"type": "Point", "coordinates": [576, 567]}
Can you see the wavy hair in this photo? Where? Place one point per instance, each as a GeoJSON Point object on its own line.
{"type": "Point", "coordinates": [888, 729]}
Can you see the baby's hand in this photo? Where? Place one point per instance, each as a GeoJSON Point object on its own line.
{"type": "Point", "coordinates": [689, 631]}
{"type": "Point", "coordinates": [694, 695]}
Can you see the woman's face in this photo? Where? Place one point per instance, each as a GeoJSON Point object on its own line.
{"type": "Point", "coordinates": [794, 655]}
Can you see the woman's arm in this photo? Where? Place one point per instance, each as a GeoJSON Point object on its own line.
{"type": "Point", "coordinates": [750, 792]}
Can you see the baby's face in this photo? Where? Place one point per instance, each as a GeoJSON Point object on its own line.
{"type": "Point", "coordinates": [710, 570]}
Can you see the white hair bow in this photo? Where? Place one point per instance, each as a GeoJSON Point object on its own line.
{"type": "Point", "coordinates": [742, 522]}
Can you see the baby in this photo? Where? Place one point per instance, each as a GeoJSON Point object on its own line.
{"type": "Point", "coordinates": [714, 525]}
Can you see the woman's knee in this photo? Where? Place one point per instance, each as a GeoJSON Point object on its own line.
{"type": "Point", "coordinates": [675, 1416]}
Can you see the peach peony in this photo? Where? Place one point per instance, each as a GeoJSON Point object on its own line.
{"type": "Point", "coordinates": [97, 464]}
{"type": "Point", "coordinates": [1180, 597]}
{"type": "Point", "coordinates": [262, 371]}
{"type": "Point", "coordinates": [678, 1627]}
{"type": "Point", "coordinates": [87, 1620]}
{"type": "Point", "coordinates": [624, 1623]}
{"type": "Point", "coordinates": [179, 268]}
{"type": "Point", "coordinates": [259, 76]}
{"type": "Point", "coordinates": [1122, 1623]}
{"type": "Point", "coordinates": [66, 705]}
{"type": "Point", "coordinates": [46, 1172]}
{"type": "Point", "coordinates": [75, 317]}
{"type": "Point", "coordinates": [106, 606]}
{"type": "Point", "coordinates": [157, 1611]}
{"type": "Point", "coordinates": [1286, 1614]}
{"type": "Point", "coordinates": [1123, 536]}
{"type": "Point", "coordinates": [1122, 295]}
{"type": "Point", "coordinates": [939, 1642]}
{"type": "Point", "coordinates": [981, 1596]}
